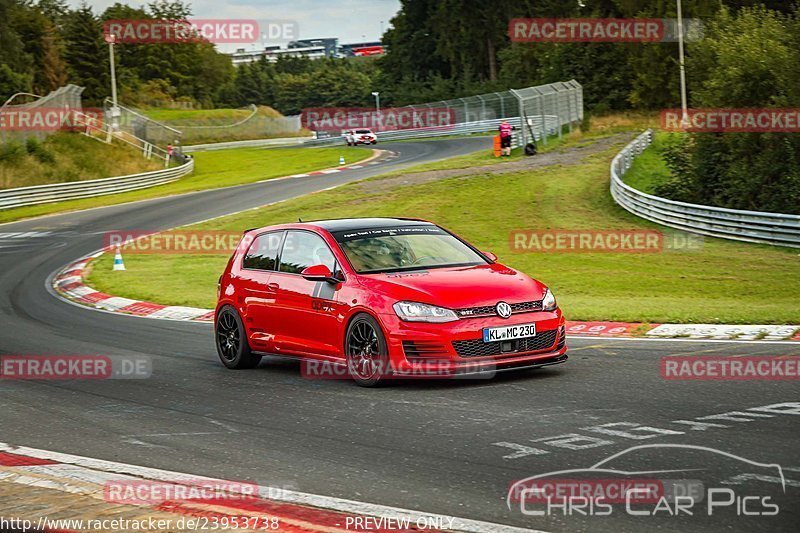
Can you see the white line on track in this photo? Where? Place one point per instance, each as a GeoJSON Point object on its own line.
{"type": "Point", "coordinates": [288, 496]}
{"type": "Point", "coordinates": [650, 339]}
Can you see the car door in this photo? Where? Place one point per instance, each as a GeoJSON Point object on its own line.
{"type": "Point", "coordinates": [305, 312]}
{"type": "Point", "coordinates": [257, 290]}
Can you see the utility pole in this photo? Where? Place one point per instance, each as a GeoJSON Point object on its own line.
{"type": "Point", "coordinates": [377, 96]}
{"type": "Point", "coordinates": [110, 39]}
{"type": "Point", "coordinates": [684, 102]}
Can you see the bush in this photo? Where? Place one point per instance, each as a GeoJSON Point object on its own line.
{"type": "Point", "coordinates": [11, 152]}
{"type": "Point", "coordinates": [37, 150]}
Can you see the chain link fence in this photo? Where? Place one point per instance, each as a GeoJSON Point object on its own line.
{"type": "Point", "coordinates": [133, 123]}
{"type": "Point", "coordinates": [257, 125]}
{"type": "Point", "coordinates": [38, 114]}
{"type": "Point", "coordinates": [538, 111]}
{"type": "Point", "coordinates": [534, 112]}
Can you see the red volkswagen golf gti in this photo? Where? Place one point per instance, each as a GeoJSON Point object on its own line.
{"type": "Point", "coordinates": [381, 297]}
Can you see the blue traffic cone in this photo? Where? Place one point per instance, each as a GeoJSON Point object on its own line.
{"type": "Point", "coordinates": [118, 264]}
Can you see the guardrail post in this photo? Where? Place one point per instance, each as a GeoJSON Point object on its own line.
{"type": "Point", "coordinates": [569, 108]}
{"type": "Point", "coordinates": [502, 106]}
{"type": "Point", "coordinates": [544, 116]}
{"type": "Point", "coordinates": [522, 119]}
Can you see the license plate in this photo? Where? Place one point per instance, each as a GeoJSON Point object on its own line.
{"type": "Point", "coordinates": [509, 333]}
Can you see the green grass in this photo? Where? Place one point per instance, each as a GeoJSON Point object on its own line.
{"type": "Point", "coordinates": [65, 157]}
{"type": "Point", "coordinates": [221, 168]}
{"type": "Point", "coordinates": [724, 282]}
{"type": "Point", "coordinates": [197, 116]}
{"type": "Point", "coordinates": [649, 170]}
{"type": "Point", "coordinates": [199, 126]}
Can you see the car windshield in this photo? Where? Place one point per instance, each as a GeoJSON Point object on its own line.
{"type": "Point", "coordinates": [363, 131]}
{"type": "Point", "coordinates": [404, 248]}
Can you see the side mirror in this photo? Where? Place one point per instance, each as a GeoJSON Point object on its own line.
{"type": "Point", "coordinates": [490, 256]}
{"type": "Point", "coordinates": [319, 273]}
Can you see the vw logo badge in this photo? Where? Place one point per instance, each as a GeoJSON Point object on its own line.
{"type": "Point", "coordinates": [503, 310]}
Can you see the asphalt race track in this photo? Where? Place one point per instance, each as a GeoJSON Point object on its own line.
{"type": "Point", "coordinates": [449, 447]}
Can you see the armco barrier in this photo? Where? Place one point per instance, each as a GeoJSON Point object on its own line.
{"type": "Point", "coordinates": [44, 194]}
{"type": "Point", "coordinates": [255, 143]}
{"type": "Point", "coordinates": [752, 226]}
{"type": "Point", "coordinates": [549, 125]}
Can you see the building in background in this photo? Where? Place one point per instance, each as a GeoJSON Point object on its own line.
{"type": "Point", "coordinates": [311, 48]}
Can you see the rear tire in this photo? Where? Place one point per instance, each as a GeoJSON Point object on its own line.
{"type": "Point", "coordinates": [366, 351]}
{"type": "Point", "coordinates": [231, 341]}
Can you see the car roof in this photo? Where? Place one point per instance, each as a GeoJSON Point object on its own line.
{"type": "Point", "coordinates": [345, 224]}
{"type": "Point", "coordinates": [350, 224]}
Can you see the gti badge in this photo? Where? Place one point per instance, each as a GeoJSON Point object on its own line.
{"type": "Point", "coordinates": [503, 310]}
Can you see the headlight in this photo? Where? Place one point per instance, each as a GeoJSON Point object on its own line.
{"type": "Point", "coordinates": [417, 312]}
{"type": "Point", "coordinates": [549, 301]}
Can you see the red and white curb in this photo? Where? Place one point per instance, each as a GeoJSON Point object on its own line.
{"type": "Point", "coordinates": [69, 284]}
{"type": "Point", "coordinates": [388, 157]}
{"type": "Point", "coordinates": [295, 511]}
{"type": "Point", "coordinates": [753, 332]}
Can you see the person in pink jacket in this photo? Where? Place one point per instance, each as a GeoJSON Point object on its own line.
{"type": "Point", "coordinates": [505, 138]}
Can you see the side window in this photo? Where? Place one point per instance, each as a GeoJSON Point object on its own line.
{"type": "Point", "coordinates": [263, 253]}
{"type": "Point", "coordinates": [302, 250]}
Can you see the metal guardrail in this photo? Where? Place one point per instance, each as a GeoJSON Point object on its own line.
{"type": "Point", "coordinates": [255, 143]}
{"type": "Point", "coordinates": [751, 226]}
{"type": "Point", "coordinates": [548, 125]}
{"type": "Point", "coordinates": [58, 192]}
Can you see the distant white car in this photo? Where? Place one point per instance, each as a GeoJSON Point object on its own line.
{"type": "Point", "coordinates": [361, 136]}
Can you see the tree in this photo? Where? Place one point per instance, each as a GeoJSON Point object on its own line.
{"type": "Point", "coordinates": [42, 43]}
{"type": "Point", "coordinates": [747, 59]}
{"type": "Point", "coordinates": [87, 54]}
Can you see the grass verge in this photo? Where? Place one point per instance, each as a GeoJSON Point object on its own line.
{"type": "Point", "coordinates": [200, 126]}
{"type": "Point", "coordinates": [66, 157]}
{"type": "Point", "coordinates": [649, 170]}
{"type": "Point", "coordinates": [723, 282]}
{"type": "Point", "coordinates": [222, 168]}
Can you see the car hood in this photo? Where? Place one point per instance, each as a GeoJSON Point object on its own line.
{"type": "Point", "coordinates": [457, 287]}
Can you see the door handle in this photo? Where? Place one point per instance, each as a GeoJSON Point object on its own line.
{"type": "Point", "coordinates": [273, 286]}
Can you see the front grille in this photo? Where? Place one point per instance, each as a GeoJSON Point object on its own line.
{"type": "Point", "coordinates": [478, 348]}
{"type": "Point", "coordinates": [486, 310]}
{"type": "Point", "coordinates": [562, 338]}
{"type": "Point", "coordinates": [415, 349]}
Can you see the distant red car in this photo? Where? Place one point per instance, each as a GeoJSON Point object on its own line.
{"type": "Point", "coordinates": [383, 297]}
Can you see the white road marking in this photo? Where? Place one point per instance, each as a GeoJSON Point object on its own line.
{"type": "Point", "coordinates": [81, 470]}
{"type": "Point", "coordinates": [635, 431]}
{"type": "Point", "coordinates": [657, 339]}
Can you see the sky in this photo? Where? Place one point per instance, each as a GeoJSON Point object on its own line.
{"type": "Point", "coordinates": [349, 20]}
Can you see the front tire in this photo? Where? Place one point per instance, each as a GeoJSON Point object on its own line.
{"type": "Point", "coordinates": [366, 351]}
{"type": "Point", "coordinates": [231, 341]}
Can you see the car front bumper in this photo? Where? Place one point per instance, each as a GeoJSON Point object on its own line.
{"type": "Point", "coordinates": [420, 349]}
